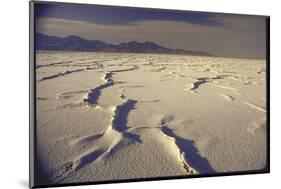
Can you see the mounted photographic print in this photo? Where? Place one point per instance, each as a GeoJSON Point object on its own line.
{"type": "Point", "coordinates": [121, 94]}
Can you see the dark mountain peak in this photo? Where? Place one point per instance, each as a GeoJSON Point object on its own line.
{"type": "Point", "coordinates": [130, 43]}
{"type": "Point", "coordinates": [73, 37]}
{"type": "Point", "coordinates": [147, 43]}
{"type": "Point", "coordinates": [69, 43]}
{"type": "Point", "coordinates": [134, 46]}
{"type": "Point", "coordinates": [76, 43]}
{"type": "Point", "coordinates": [133, 42]}
{"type": "Point", "coordinates": [151, 44]}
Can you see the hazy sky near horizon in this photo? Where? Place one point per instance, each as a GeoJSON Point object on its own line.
{"type": "Point", "coordinates": [218, 34]}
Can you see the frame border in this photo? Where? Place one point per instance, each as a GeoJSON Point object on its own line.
{"type": "Point", "coordinates": [33, 159]}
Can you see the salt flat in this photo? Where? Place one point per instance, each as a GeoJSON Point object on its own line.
{"type": "Point", "coordinates": [110, 116]}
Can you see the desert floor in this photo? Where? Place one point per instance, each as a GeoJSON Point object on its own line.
{"type": "Point", "coordinates": [110, 116]}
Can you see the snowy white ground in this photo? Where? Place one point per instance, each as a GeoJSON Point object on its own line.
{"type": "Point", "coordinates": [103, 116]}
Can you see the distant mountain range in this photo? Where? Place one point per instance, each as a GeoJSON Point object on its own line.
{"type": "Point", "coordinates": [75, 43]}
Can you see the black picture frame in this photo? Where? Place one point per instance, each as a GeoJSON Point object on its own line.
{"type": "Point", "coordinates": [34, 181]}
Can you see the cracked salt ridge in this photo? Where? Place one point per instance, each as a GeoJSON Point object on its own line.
{"type": "Point", "coordinates": [69, 72]}
{"type": "Point", "coordinates": [256, 107]}
{"type": "Point", "coordinates": [61, 173]}
{"type": "Point", "coordinates": [227, 97]}
{"type": "Point", "coordinates": [202, 80]}
{"type": "Point", "coordinates": [119, 125]}
{"type": "Point", "coordinates": [117, 129]}
{"type": "Point", "coordinates": [191, 160]}
{"type": "Point", "coordinates": [78, 70]}
{"type": "Point", "coordinates": [71, 61]}
{"type": "Point", "coordinates": [199, 81]}
{"type": "Point", "coordinates": [60, 74]}
{"type": "Point", "coordinates": [91, 99]}
{"type": "Point", "coordinates": [53, 64]}
{"type": "Point", "coordinates": [67, 95]}
{"type": "Point", "coordinates": [175, 74]}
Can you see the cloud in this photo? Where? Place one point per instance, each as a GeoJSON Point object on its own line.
{"type": "Point", "coordinates": [241, 36]}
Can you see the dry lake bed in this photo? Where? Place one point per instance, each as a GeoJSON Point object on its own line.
{"type": "Point", "coordinates": [111, 116]}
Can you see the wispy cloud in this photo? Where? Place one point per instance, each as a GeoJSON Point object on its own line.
{"type": "Point", "coordinates": [108, 15]}
{"type": "Point", "coordinates": [234, 36]}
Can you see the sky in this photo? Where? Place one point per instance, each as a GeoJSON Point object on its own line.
{"type": "Point", "coordinates": [219, 34]}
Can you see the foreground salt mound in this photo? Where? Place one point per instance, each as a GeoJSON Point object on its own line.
{"type": "Point", "coordinates": [103, 116]}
